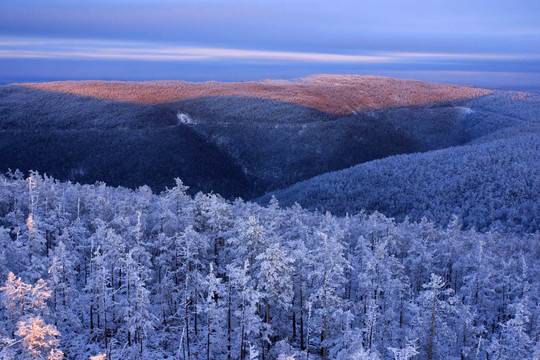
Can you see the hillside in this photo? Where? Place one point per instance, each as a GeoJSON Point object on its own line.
{"type": "Point", "coordinates": [88, 140]}
{"type": "Point", "coordinates": [237, 139]}
{"type": "Point", "coordinates": [491, 181]}
{"type": "Point", "coordinates": [491, 184]}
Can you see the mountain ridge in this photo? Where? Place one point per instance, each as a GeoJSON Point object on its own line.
{"type": "Point", "coordinates": [338, 94]}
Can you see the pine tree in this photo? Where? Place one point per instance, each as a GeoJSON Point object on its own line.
{"type": "Point", "coordinates": [275, 280]}
{"type": "Point", "coordinates": [62, 282]}
{"type": "Point", "coordinates": [99, 295]}
{"type": "Point", "coordinates": [248, 300]}
{"type": "Point", "coordinates": [214, 308]}
{"type": "Point", "coordinates": [328, 274]}
{"type": "Point", "coordinates": [515, 342]}
{"type": "Point", "coordinates": [437, 315]}
{"type": "Point", "coordinates": [136, 310]}
{"type": "Point", "coordinates": [21, 299]}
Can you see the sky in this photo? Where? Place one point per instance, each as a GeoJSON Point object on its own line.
{"type": "Point", "coordinates": [491, 43]}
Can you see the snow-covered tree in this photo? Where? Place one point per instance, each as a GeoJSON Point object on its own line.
{"type": "Point", "coordinates": [435, 317]}
{"type": "Point", "coordinates": [405, 353]}
{"type": "Point", "coordinates": [214, 306]}
{"type": "Point", "coordinates": [136, 308]}
{"type": "Point", "coordinates": [329, 278]}
{"type": "Point", "coordinates": [248, 300]}
{"type": "Point", "coordinates": [39, 340]}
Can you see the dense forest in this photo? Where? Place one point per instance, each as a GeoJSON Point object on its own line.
{"type": "Point", "coordinates": [488, 184]}
{"type": "Point", "coordinates": [98, 272]}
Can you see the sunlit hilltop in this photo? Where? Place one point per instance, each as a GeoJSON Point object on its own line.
{"type": "Point", "coordinates": [339, 94]}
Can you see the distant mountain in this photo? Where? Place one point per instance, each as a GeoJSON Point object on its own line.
{"type": "Point", "coordinates": [338, 94]}
{"type": "Point", "coordinates": [237, 139]}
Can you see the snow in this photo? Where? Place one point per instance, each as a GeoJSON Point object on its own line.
{"type": "Point", "coordinates": [184, 119]}
{"type": "Point", "coordinates": [465, 110]}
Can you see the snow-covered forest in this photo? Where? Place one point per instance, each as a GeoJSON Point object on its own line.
{"type": "Point", "coordinates": [96, 272]}
{"type": "Point", "coordinates": [492, 184]}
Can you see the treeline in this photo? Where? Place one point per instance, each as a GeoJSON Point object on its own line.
{"type": "Point", "coordinates": [112, 273]}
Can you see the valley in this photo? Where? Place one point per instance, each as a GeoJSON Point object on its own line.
{"type": "Point", "coordinates": [249, 138]}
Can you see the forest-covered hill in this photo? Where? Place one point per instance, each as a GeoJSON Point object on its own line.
{"type": "Point", "coordinates": [236, 139]}
{"type": "Point", "coordinates": [490, 184]}
{"type": "Point", "coordinates": [491, 180]}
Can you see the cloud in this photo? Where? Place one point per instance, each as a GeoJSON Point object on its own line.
{"type": "Point", "coordinates": [77, 49]}
{"type": "Point", "coordinates": [463, 56]}
{"type": "Point", "coordinates": [107, 50]}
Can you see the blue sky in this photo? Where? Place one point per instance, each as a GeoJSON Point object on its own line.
{"type": "Point", "coordinates": [486, 43]}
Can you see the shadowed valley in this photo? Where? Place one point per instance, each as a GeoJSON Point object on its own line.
{"type": "Point", "coordinates": [237, 139]}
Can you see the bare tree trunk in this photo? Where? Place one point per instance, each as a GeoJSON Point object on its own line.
{"type": "Point", "coordinates": [229, 324]}
{"type": "Point", "coordinates": [91, 316]}
{"type": "Point", "coordinates": [242, 338]}
{"type": "Point", "coordinates": [186, 320]}
{"type": "Point", "coordinates": [21, 295]}
{"type": "Point", "coordinates": [293, 319]}
{"type": "Point", "coordinates": [432, 331]}
{"type": "Point", "coordinates": [308, 327]}
{"type": "Point", "coordinates": [195, 325]}
{"type": "Point", "coordinates": [64, 279]}
{"type": "Point", "coordinates": [54, 300]}
{"type": "Point", "coordinates": [216, 252]}
{"type": "Point", "coordinates": [207, 337]}
{"type": "Point", "coordinates": [113, 292]}
{"type": "Point", "coordinates": [324, 350]}
{"type": "Point", "coordinates": [301, 314]}
{"type": "Point", "coordinates": [370, 341]}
